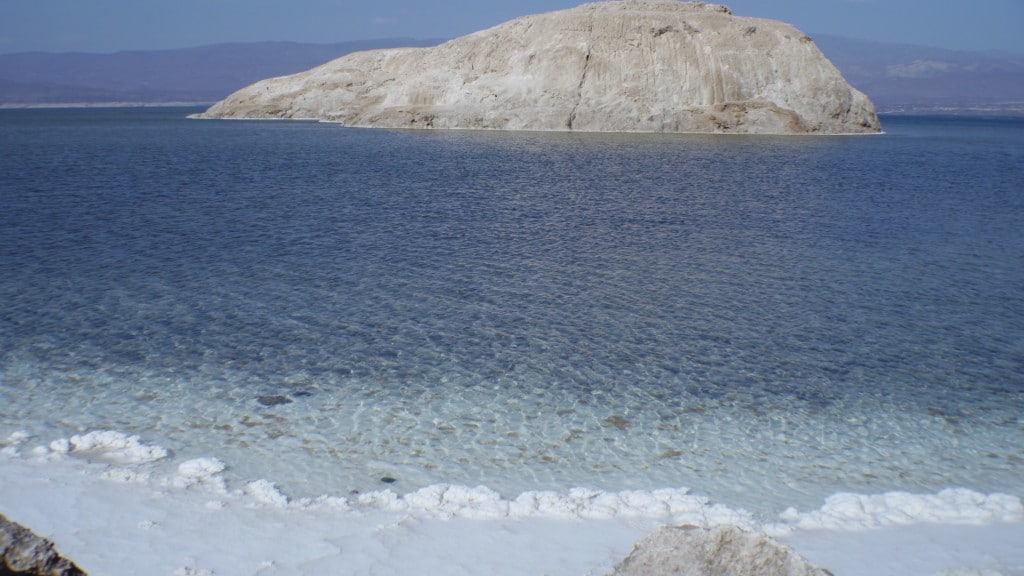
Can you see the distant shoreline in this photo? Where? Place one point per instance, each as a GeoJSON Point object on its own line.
{"type": "Point", "coordinates": [40, 105]}
{"type": "Point", "coordinates": [1009, 110]}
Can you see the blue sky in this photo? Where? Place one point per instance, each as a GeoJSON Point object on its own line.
{"type": "Point", "coordinates": [112, 25]}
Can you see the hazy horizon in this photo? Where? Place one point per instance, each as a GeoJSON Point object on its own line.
{"type": "Point", "coordinates": [124, 25]}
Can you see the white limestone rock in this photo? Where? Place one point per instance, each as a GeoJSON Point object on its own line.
{"type": "Point", "coordinates": [619, 66]}
{"type": "Point", "coordinates": [722, 551]}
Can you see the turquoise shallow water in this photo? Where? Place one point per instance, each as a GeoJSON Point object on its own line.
{"type": "Point", "coordinates": [765, 320]}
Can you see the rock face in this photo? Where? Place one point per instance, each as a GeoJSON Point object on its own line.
{"type": "Point", "coordinates": [620, 66]}
{"type": "Point", "coordinates": [24, 553]}
{"type": "Point", "coordinates": [723, 551]}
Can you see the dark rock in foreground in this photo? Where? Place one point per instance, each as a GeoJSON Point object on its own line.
{"type": "Point", "coordinates": [24, 553]}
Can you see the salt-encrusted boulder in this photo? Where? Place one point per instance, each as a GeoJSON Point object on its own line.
{"type": "Point", "coordinates": [24, 553]}
{"type": "Point", "coordinates": [620, 66]}
{"type": "Point", "coordinates": [722, 551]}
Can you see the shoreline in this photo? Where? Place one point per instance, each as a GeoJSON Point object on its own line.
{"type": "Point", "coordinates": [279, 350]}
{"type": "Point", "coordinates": [1016, 111]}
{"type": "Point", "coordinates": [104, 508]}
{"type": "Point", "coordinates": [83, 105]}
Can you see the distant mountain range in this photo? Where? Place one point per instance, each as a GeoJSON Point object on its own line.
{"type": "Point", "coordinates": [204, 74]}
{"type": "Point", "coordinates": [903, 78]}
{"type": "Point", "coordinates": [898, 78]}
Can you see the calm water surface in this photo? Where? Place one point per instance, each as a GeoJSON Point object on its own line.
{"type": "Point", "coordinates": [765, 320]}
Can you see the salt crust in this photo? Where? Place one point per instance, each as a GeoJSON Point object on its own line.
{"type": "Point", "coordinates": [125, 454]}
{"type": "Point", "coordinates": [451, 501]}
{"type": "Point", "coordinates": [200, 472]}
{"type": "Point", "coordinates": [109, 446]}
{"type": "Point", "coordinates": [846, 511]}
{"type": "Point", "coordinates": [432, 525]}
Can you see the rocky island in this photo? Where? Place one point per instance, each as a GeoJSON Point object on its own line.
{"type": "Point", "coordinates": [618, 66]}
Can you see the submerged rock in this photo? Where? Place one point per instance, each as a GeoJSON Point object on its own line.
{"type": "Point", "coordinates": [722, 551]}
{"type": "Point", "coordinates": [274, 400]}
{"type": "Point", "coordinates": [620, 66]}
{"type": "Point", "coordinates": [617, 421]}
{"type": "Point", "coordinates": [24, 553]}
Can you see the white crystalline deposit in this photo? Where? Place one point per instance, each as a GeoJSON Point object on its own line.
{"type": "Point", "coordinates": [200, 469]}
{"type": "Point", "coordinates": [200, 472]}
{"type": "Point", "coordinates": [626, 66]}
{"type": "Point", "coordinates": [109, 446]}
{"type": "Point", "coordinates": [178, 518]}
{"type": "Point", "coordinates": [264, 492]}
{"type": "Point", "coordinates": [452, 501]}
{"type": "Point", "coordinates": [10, 446]}
{"type": "Point", "coordinates": [846, 511]}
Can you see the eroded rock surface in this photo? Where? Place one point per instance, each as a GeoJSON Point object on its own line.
{"type": "Point", "coordinates": [723, 551]}
{"type": "Point", "coordinates": [22, 553]}
{"type": "Point", "coordinates": [620, 66]}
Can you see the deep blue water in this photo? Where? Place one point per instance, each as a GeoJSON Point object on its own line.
{"type": "Point", "coordinates": [759, 318]}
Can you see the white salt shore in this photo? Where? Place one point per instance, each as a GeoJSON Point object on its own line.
{"type": "Point", "coordinates": [97, 497]}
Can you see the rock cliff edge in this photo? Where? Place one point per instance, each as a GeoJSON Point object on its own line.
{"type": "Point", "coordinates": [23, 553]}
{"type": "Point", "coordinates": [619, 66]}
